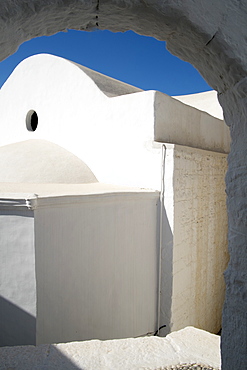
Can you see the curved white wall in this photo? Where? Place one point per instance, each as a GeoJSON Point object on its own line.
{"type": "Point", "coordinates": [114, 136]}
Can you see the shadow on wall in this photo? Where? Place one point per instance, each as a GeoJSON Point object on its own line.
{"type": "Point", "coordinates": [166, 275]}
{"type": "Point", "coordinates": [45, 356]}
{"type": "Point", "coordinates": [17, 327]}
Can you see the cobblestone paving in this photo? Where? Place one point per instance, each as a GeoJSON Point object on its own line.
{"type": "Point", "coordinates": [188, 367]}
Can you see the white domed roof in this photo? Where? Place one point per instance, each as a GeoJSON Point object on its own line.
{"type": "Point", "coordinates": [40, 161]}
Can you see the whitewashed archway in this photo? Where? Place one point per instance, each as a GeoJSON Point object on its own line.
{"type": "Point", "coordinates": [212, 36]}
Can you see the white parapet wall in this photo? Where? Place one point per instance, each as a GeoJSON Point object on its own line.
{"type": "Point", "coordinates": [96, 258]}
{"type": "Point", "coordinates": [178, 123]}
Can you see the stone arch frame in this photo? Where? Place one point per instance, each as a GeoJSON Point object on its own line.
{"type": "Point", "coordinates": [208, 34]}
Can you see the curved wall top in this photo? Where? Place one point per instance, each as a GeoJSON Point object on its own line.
{"type": "Point", "coordinates": [78, 116]}
{"type": "Point", "coordinates": [114, 136]}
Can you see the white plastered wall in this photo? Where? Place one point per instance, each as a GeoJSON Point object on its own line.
{"type": "Point", "coordinates": [17, 276]}
{"type": "Point", "coordinates": [116, 137]}
{"type": "Point", "coordinates": [96, 267]}
{"type": "Point", "coordinates": [200, 253]}
{"type": "Point", "coordinates": [113, 136]}
{"type": "Point", "coordinates": [178, 123]}
{"type": "Point", "coordinates": [194, 239]}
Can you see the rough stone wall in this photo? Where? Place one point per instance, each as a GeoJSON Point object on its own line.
{"type": "Point", "coordinates": [200, 238]}
{"type": "Point", "coordinates": [234, 333]}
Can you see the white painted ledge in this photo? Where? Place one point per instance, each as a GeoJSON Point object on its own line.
{"type": "Point", "coordinates": [32, 196]}
{"type": "Point", "coordinates": [179, 123]}
{"type": "Point", "coordinates": [188, 345]}
{"type": "Point", "coordinates": [205, 101]}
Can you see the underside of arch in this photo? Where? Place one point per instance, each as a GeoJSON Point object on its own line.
{"type": "Point", "coordinates": [197, 32]}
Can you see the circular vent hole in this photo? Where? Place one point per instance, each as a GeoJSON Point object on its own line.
{"type": "Point", "coordinates": [32, 120]}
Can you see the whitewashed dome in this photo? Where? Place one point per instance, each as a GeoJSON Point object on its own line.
{"type": "Point", "coordinates": [40, 161]}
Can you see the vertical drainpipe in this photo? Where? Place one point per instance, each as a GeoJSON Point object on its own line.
{"type": "Point", "coordinates": [162, 195]}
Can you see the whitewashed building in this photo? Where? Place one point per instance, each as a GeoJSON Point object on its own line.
{"type": "Point", "coordinates": [112, 208]}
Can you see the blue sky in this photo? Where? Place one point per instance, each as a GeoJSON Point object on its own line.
{"type": "Point", "coordinates": [138, 60]}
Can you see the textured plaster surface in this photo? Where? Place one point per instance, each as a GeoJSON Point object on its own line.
{"type": "Point", "coordinates": [189, 345]}
{"type": "Point", "coordinates": [235, 308]}
{"type": "Point", "coordinates": [194, 248]}
{"type": "Point", "coordinates": [200, 253]}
